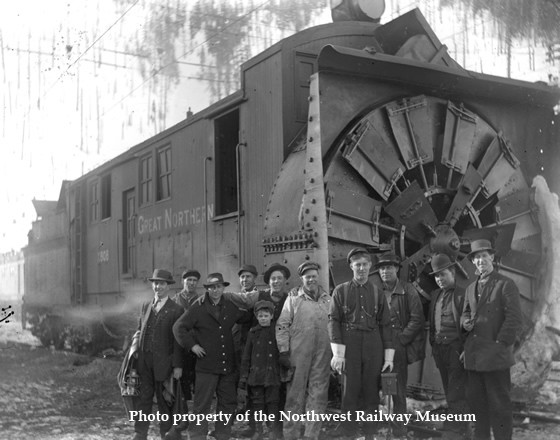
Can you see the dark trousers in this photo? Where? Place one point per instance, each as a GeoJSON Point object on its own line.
{"type": "Point", "coordinates": [454, 379]}
{"type": "Point", "coordinates": [361, 377]}
{"type": "Point", "coordinates": [488, 394]}
{"type": "Point", "coordinates": [149, 386]}
{"type": "Point", "coordinates": [400, 366]}
{"type": "Point", "coordinates": [224, 386]}
{"type": "Point", "coordinates": [265, 399]}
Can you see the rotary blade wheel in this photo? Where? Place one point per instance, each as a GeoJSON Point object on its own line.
{"type": "Point", "coordinates": [421, 176]}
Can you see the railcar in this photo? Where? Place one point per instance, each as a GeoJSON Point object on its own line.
{"type": "Point", "coordinates": [346, 134]}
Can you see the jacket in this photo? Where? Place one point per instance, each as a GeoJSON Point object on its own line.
{"type": "Point", "coordinates": [260, 359]}
{"type": "Point", "coordinates": [408, 308]}
{"type": "Point", "coordinates": [213, 335]}
{"type": "Point", "coordinates": [497, 324]}
{"type": "Point", "coordinates": [168, 354]}
{"type": "Point", "coordinates": [457, 306]}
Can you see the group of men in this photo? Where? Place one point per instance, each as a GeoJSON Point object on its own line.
{"type": "Point", "coordinates": [283, 354]}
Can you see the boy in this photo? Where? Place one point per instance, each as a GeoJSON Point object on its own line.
{"type": "Point", "coordinates": [260, 369]}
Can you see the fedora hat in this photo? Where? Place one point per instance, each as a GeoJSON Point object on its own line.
{"type": "Point", "coordinates": [191, 273]}
{"type": "Point", "coordinates": [277, 267]}
{"type": "Point", "coordinates": [215, 279]}
{"type": "Point", "coordinates": [388, 259]}
{"type": "Point", "coordinates": [247, 268]}
{"type": "Point", "coordinates": [308, 265]}
{"type": "Point", "coordinates": [479, 246]}
{"type": "Point", "coordinates": [355, 251]}
{"type": "Point", "coordinates": [440, 262]}
{"type": "Point", "coordinates": [162, 275]}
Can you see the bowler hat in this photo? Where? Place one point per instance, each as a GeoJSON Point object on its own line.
{"type": "Point", "coordinates": [479, 246]}
{"type": "Point", "coordinates": [388, 258]}
{"type": "Point", "coordinates": [308, 265]}
{"type": "Point", "coordinates": [162, 275]}
{"type": "Point", "coordinates": [440, 262]}
{"type": "Point", "coordinates": [215, 279]}
{"type": "Point", "coordinates": [191, 273]}
{"type": "Point", "coordinates": [263, 304]}
{"type": "Point", "coordinates": [248, 268]}
{"type": "Point", "coordinates": [355, 251]}
{"type": "Point", "coordinates": [277, 267]}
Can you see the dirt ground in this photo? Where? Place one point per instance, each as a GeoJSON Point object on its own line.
{"type": "Point", "coordinates": [57, 395]}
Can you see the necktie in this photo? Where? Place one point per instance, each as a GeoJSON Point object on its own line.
{"type": "Point", "coordinates": [156, 305]}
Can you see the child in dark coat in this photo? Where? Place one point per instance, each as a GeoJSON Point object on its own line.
{"type": "Point", "coordinates": [260, 369]}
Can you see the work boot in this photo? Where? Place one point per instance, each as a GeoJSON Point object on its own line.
{"type": "Point", "coordinates": [258, 434]}
{"type": "Point", "coordinates": [173, 434]}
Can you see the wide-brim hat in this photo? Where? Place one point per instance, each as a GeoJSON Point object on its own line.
{"type": "Point", "coordinates": [308, 265]}
{"type": "Point", "coordinates": [479, 246]}
{"type": "Point", "coordinates": [355, 251]}
{"type": "Point", "coordinates": [191, 273]}
{"type": "Point", "coordinates": [440, 262]}
{"type": "Point", "coordinates": [277, 267]}
{"type": "Point", "coordinates": [162, 275]}
{"type": "Point", "coordinates": [388, 258]}
{"type": "Point", "coordinates": [264, 305]}
{"type": "Point", "coordinates": [215, 279]}
{"type": "Point", "coordinates": [248, 268]}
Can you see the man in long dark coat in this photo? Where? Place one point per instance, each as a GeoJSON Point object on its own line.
{"type": "Point", "coordinates": [159, 354]}
{"type": "Point", "coordinates": [492, 316]}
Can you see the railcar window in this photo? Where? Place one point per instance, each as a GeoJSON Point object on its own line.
{"type": "Point", "coordinates": [146, 184]}
{"type": "Point", "coordinates": [164, 173]}
{"type": "Point", "coordinates": [94, 202]}
{"type": "Point", "coordinates": [226, 138]}
{"type": "Point", "coordinates": [106, 196]}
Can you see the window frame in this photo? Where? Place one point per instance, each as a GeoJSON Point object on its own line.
{"type": "Point", "coordinates": [94, 202]}
{"type": "Point", "coordinates": [146, 182]}
{"type": "Point", "coordinates": [166, 176]}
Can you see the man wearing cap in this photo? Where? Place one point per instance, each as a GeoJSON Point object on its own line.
{"type": "Point", "coordinates": [247, 281]}
{"type": "Point", "coordinates": [186, 297]}
{"type": "Point", "coordinates": [303, 342]}
{"type": "Point", "coordinates": [446, 340]}
{"type": "Point", "coordinates": [492, 317]}
{"type": "Point", "coordinates": [205, 329]}
{"type": "Point", "coordinates": [407, 324]}
{"type": "Point", "coordinates": [159, 354]}
{"type": "Point", "coordinates": [360, 334]}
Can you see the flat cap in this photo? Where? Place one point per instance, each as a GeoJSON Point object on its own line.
{"type": "Point", "coordinates": [355, 251]}
{"type": "Point", "coordinates": [388, 259]}
{"type": "Point", "coordinates": [247, 268]}
{"type": "Point", "coordinates": [308, 265]}
{"type": "Point", "coordinates": [263, 304]}
{"type": "Point", "coordinates": [277, 267]}
{"type": "Point", "coordinates": [191, 273]}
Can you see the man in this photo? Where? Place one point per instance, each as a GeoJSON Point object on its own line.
{"type": "Point", "coordinates": [205, 329]}
{"type": "Point", "coordinates": [186, 298]}
{"type": "Point", "coordinates": [446, 307]}
{"type": "Point", "coordinates": [407, 324]}
{"type": "Point", "coordinates": [492, 317]}
{"type": "Point", "coordinates": [360, 335]}
{"type": "Point", "coordinates": [303, 342]}
{"type": "Point", "coordinates": [159, 354]}
{"type": "Point", "coordinates": [247, 281]}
